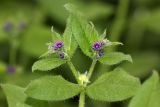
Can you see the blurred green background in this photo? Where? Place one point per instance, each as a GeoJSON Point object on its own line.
{"type": "Point", "coordinates": [25, 29]}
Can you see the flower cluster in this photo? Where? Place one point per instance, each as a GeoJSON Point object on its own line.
{"type": "Point", "coordinates": [56, 48]}
{"type": "Point", "coordinates": [98, 47]}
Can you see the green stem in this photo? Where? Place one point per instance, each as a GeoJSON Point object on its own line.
{"type": "Point", "coordinates": [74, 71]}
{"type": "Point", "coordinates": [92, 68]}
{"type": "Point", "coordinates": [82, 99]}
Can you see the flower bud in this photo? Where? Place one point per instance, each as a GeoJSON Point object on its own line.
{"type": "Point", "coordinates": [100, 54]}
{"type": "Point", "coordinates": [61, 55]}
{"type": "Point", "coordinates": [58, 45]}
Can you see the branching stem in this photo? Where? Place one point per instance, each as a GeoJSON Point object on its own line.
{"type": "Point", "coordinates": [74, 71]}
{"type": "Point", "coordinates": [76, 75]}
{"type": "Point", "coordinates": [92, 68]}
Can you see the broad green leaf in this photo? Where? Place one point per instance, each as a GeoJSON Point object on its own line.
{"type": "Point", "coordinates": [149, 94]}
{"type": "Point", "coordinates": [15, 95]}
{"type": "Point", "coordinates": [37, 103]}
{"type": "Point", "coordinates": [116, 85]}
{"type": "Point", "coordinates": [22, 105]}
{"type": "Point", "coordinates": [114, 58]}
{"type": "Point", "coordinates": [47, 64]}
{"type": "Point", "coordinates": [53, 88]}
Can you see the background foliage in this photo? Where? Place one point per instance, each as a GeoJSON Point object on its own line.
{"type": "Point", "coordinates": [135, 23]}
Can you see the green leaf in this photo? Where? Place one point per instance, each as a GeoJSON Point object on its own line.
{"type": "Point", "coordinates": [114, 86]}
{"type": "Point", "coordinates": [93, 34]}
{"type": "Point", "coordinates": [149, 94]}
{"type": "Point", "coordinates": [67, 36]}
{"type": "Point", "coordinates": [114, 58]}
{"type": "Point", "coordinates": [22, 105]}
{"type": "Point", "coordinates": [113, 43]}
{"type": "Point", "coordinates": [15, 95]}
{"type": "Point", "coordinates": [80, 35]}
{"type": "Point", "coordinates": [53, 88]}
{"type": "Point", "coordinates": [47, 64]}
{"type": "Point", "coordinates": [69, 41]}
{"type": "Point", "coordinates": [55, 36]}
{"type": "Point", "coordinates": [84, 32]}
{"type": "Point", "coordinates": [74, 46]}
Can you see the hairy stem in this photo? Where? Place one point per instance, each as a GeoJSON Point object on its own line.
{"type": "Point", "coordinates": [92, 68]}
{"type": "Point", "coordinates": [82, 99]}
{"type": "Point", "coordinates": [74, 71]}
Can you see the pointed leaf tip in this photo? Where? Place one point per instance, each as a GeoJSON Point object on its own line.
{"type": "Point", "coordinates": [47, 64]}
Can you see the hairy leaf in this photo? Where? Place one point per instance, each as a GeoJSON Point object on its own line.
{"type": "Point", "coordinates": [55, 36]}
{"type": "Point", "coordinates": [67, 35]}
{"type": "Point", "coordinates": [74, 46]}
{"type": "Point", "coordinates": [114, 86]}
{"type": "Point", "coordinates": [52, 88]}
{"type": "Point", "coordinates": [70, 44]}
{"type": "Point", "coordinates": [15, 95]}
{"type": "Point", "coordinates": [149, 93]}
{"type": "Point", "coordinates": [114, 58]}
{"type": "Point", "coordinates": [80, 35]}
{"type": "Point", "coordinates": [47, 64]}
{"type": "Point", "coordinates": [92, 33]}
{"type": "Point", "coordinates": [83, 32]}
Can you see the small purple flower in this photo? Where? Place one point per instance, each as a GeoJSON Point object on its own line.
{"type": "Point", "coordinates": [61, 55]}
{"type": "Point", "coordinates": [11, 69]}
{"type": "Point", "coordinates": [100, 54]}
{"type": "Point", "coordinates": [58, 45]}
{"type": "Point", "coordinates": [8, 27]}
{"type": "Point", "coordinates": [97, 46]}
